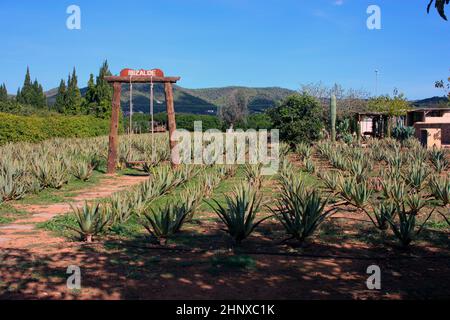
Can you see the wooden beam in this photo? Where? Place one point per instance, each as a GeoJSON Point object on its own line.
{"type": "Point", "coordinates": [114, 129]}
{"type": "Point", "coordinates": [171, 122]}
{"type": "Point", "coordinates": [142, 79]}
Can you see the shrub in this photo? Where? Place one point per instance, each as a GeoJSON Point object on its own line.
{"type": "Point", "coordinates": [15, 128]}
{"type": "Point", "coordinates": [298, 118]}
{"type": "Point", "coordinates": [402, 133]}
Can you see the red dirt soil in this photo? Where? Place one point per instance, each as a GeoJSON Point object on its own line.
{"type": "Point", "coordinates": [33, 265]}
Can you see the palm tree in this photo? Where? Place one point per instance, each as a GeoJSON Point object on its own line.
{"type": "Point", "coordinates": [440, 7]}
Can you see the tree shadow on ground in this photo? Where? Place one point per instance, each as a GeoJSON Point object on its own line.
{"type": "Point", "coordinates": [135, 269]}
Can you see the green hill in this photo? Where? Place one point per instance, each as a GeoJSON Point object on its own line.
{"type": "Point", "coordinates": [196, 101]}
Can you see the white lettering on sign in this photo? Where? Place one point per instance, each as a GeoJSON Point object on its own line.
{"type": "Point", "coordinates": [141, 73]}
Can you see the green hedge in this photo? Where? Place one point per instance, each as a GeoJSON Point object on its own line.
{"type": "Point", "coordinates": [15, 128]}
{"type": "Point", "coordinates": [184, 121]}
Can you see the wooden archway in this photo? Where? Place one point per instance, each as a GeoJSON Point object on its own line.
{"type": "Point", "coordinates": [117, 82]}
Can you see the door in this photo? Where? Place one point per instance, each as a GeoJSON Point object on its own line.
{"type": "Point", "coordinates": [424, 137]}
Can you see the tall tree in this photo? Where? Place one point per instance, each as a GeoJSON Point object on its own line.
{"type": "Point", "coordinates": [39, 99]}
{"type": "Point", "coordinates": [394, 106]}
{"type": "Point", "coordinates": [104, 92]}
{"type": "Point", "coordinates": [440, 7]}
{"type": "Point", "coordinates": [3, 93]}
{"type": "Point", "coordinates": [73, 95]}
{"type": "Point", "coordinates": [349, 100]}
{"type": "Point", "coordinates": [90, 99]}
{"type": "Point", "coordinates": [25, 94]}
{"type": "Point", "coordinates": [32, 93]}
{"type": "Point", "coordinates": [60, 104]}
{"type": "Point", "coordinates": [444, 86]}
{"type": "Point", "coordinates": [235, 109]}
{"type": "Point", "coordinates": [298, 118]}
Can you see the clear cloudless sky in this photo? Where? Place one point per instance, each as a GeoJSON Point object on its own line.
{"type": "Point", "coordinates": [214, 43]}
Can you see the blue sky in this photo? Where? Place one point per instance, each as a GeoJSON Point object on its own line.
{"type": "Point", "coordinates": [212, 43]}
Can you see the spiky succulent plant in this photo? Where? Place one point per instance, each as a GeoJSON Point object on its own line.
{"type": "Point", "coordinates": [239, 212]}
{"type": "Point", "coordinates": [92, 219]}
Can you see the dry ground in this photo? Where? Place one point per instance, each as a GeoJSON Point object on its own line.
{"type": "Point", "coordinates": [198, 264]}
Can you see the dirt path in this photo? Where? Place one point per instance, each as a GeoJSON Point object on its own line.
{"type": "Point", "coordinates": [23, 234]}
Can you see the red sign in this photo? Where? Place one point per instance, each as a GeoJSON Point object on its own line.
{"type": "Point", "coordinates": [142, 72]}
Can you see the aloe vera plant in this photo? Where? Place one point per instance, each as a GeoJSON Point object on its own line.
{"type": "Point", "coordinates": [286, 168]}
{"type": "Point", "coordinates": [121, 207]}
{"type": "Point", "coordinates": [230, 171]}
{"type": "Point", "coordinates": [82, 170]}
{"type": "Point", "coordinates": [407, 210]}
{"type": "Point", "coordinates": [416, 176]}
{"type": "Point", "coordinates": [359, 168]}
{"type": "Point", "coordinates": [383, 212]}
{"type": "Point", "coordinates": [254, 175]}
{"type": "Point", "coordinates": [285, 149]}
{"type": "Point", "coordinates": [357, 194]}
{"type": "Point", "coordinates": [303, 150]}
{"type": "Point", "coordinates": [394, 189]}
{"type": "Point", "coordinates": [164, 222]}
{"type": "Point", "coordinates": [193, 197]}
{"type": "Point", "coordinates": [239, 212]}
{"type": "Point", "coordinates": [210, 181]}
{"type": "Point", "coordinates": [332, 180]}
{"type": "Point", "coordinates": [300, 211]}
{"type": "Point", "coordinates": [13, 182]}
{"type": "Point", "coordinates": [52, 174]}
{"type": "Point", "coordinates": [439, 160]}
{"type": "Point", "coordinates": [309, 165]}
{"type": "Point", "coordinates": [440, 190]}
{"type": "Point", "coordinates": [395, 160]}
{"type": "Point", "coordinates": [92, 220]}
{"type": "Point", "coordinates": [151, 162]}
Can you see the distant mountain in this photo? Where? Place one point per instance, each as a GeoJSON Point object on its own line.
{"type": "Point", "coordinates": [196, 101]}
{"type": "Point", "coordinates": [434, 102]}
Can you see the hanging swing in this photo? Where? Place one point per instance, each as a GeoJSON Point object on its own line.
{"type": "Point", "coordinates": [152, 122]}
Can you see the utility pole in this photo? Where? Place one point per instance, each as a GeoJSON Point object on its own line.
{"type": "Point", "coordinates": [376, 83]}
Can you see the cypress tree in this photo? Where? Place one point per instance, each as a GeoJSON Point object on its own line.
{"type": "Point", "coordinates": [26, 94]}
{"type": "Point", "coordinates": [38, 98]}
{"type": "Point", "coordinates": [32, 93]}
{"type": "Point", "coordinates": [3, 93]}
{"type": "Point", "coordinates": [73, 97]}
{"type": "Point", "coordinates": [90, 99]}
{"type": "Point", "coordinates": [60, 104]}
{"type": "Point", "coordinates": [104, 92]}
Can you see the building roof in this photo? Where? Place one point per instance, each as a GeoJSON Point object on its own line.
{"type": "Point", "coordinates": [429, 109]}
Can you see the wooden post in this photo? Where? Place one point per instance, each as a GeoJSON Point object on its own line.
{"type": "Point", "coordinates": [171, 122]}
{"type": "Point", "coordinates": [114, 129]}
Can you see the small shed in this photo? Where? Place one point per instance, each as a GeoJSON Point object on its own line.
{"type": "Point", "coordinates": [372, 124]}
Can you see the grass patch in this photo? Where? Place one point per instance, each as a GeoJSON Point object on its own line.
{"type": "Point", "coordinates": [440, 225]}
{"type": "Point", "coordinates": [58, 226]}
{"type": "Point", "coordinates": [8, 213]}
{"type": "Point", "coordinates": [70, 190]}
{"type": "Point", "coordinates": [234, 263]}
